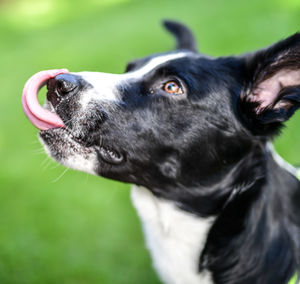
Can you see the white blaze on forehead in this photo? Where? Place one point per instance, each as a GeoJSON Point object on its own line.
{"type": "Point", "coordinates": [104, 85]}
{"type": "Point", "coordinates": [153, 63]}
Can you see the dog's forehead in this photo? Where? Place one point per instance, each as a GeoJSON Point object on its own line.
{"type": "Point", "coordinates": [146, 66]}
{"type": "Point", "coordinates": [153, 62]}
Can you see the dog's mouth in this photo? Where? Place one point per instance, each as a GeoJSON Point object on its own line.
{"type": "Point", "coordinates": [40, 117]}
{"type": "Point", "coordinates": [59, 140]}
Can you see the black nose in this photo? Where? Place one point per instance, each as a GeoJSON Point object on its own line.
{"type": "Point", "coordinates": [65, 83]}
{"type": "Point", "coordinates": [60, 86]}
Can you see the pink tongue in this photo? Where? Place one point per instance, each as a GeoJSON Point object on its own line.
{"type": "Point", "coordinates": [40, 117]}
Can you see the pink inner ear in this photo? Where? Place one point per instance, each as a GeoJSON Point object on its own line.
{"type": "Point", "coordinates": [268, 90]}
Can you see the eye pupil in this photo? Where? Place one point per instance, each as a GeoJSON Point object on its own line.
{"type": "Point", "coordinates": [172, 87]}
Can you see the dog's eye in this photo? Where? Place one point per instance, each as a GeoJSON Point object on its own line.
{"type": "Point", "coordinates": [172, 87]}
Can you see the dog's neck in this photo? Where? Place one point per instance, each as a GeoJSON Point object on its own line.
{"type": "Point", "coordinates": [255, 227]}
{"type": "Point", "coordinates": [249, 225]}
{"type": "Point", "coordinates": [174, 237]}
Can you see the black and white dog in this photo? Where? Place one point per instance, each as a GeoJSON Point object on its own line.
{"type": "Point", "coordinates": [193, 134]}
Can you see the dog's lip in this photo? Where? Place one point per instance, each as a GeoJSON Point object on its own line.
{"type": "Point", "coordinates": [41, 118]}
{"type": "Point", "coordinates": [64, 132]}
{"type": "Point", "coordinates": [107, 153]}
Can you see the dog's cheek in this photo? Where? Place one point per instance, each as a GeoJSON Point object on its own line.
{"type": "Point", "coordinates": [170, 168]}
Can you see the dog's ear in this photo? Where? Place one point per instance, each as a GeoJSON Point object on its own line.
{"type": "Point", "coordinates": [184, 37]}
{"type": "Point", "coordinates": [272, 86]}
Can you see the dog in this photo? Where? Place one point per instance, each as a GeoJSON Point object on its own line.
{"type": "Point", "coordinates": [193, 133]}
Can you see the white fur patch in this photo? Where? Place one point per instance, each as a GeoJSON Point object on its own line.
{"type": "Point", "coordinates": [104, 87]}
{"type": "Point", "coordinates": [75, 156]}
{"type": "Point", "coordinates": [153, 63]}
{"type": "Point", "coordinates": [82, 162]}
{"type": "Point", "coordinates": [175, 238]}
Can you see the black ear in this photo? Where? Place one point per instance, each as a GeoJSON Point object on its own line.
{"type": "Point", "coordinates": [272, 85]}
{"type": "Point", "coordinates": [184, 37]}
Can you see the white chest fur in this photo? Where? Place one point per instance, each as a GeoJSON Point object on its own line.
{"type": "Point", "coordinates": [175, 238]}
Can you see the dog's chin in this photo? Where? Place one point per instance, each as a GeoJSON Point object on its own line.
{"type": "Point", "coordinates": [62, 146]}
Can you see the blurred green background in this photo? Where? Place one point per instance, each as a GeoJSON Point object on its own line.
{"type": "Point", "coordinates": [62, 226]}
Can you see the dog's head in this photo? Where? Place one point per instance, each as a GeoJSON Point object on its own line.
{"type": "Point", "coordinates": [175, 122]}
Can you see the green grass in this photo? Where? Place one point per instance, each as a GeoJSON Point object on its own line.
{"type": "Point", "coordinates": [68, 227]}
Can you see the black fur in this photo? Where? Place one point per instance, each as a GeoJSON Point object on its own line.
{"type": "Point", "coordinates": [208, 152]}
{"type": "Point", "coordinates": [185, 38]}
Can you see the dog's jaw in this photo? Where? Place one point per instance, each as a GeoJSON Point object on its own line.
{"type": "Point", "coordinates": [59, 144]}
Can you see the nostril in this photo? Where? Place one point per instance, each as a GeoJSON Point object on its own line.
{"type": "Point", "coordinates": [65, 84]}
{"type": "Point", "coordinates": [60, 86]}
{"type": "Point", "coordinates": [64, 87]}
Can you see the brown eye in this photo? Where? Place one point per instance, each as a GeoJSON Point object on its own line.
{"type": "Point", "coordinates": [172, 87]}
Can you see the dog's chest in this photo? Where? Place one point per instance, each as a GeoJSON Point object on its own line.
{"type": "Point", "coordinates": [175, 238]}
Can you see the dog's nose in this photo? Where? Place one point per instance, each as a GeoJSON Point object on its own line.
{"type": "Point", "coordinates": [65, 83]}
{"type": "Point", "coordinates": [61, 86]}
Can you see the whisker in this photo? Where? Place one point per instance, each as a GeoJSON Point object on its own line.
{"type": "Point", "coordinates": [60, 176]}
{"type": "Point", "coordinates": [34, 142]}
{"type": "Point", "coordinates": [69, 120]}
{"type": "Point", "coordinates": [46, 163]}
{"type": "Point", "coordinates": [38, 151]}
{"type": "Point", "coordinates": [55, 166]}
